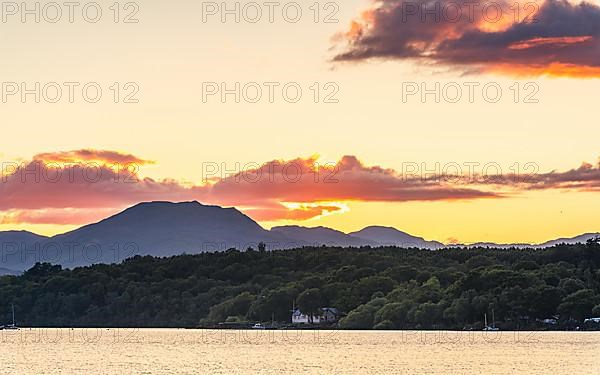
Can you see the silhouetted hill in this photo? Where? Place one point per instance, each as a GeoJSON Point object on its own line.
{"type": "Point", "coordinates": [20, 236]}
{"type": "Point", "coordinates": [321, 236]}
{"type": "Point", "coordinates": [164, 229]}
{"type": "Point", "coordinates": [388, 236]}
{"type": "Point", "coordinates": [583, 238]}
{"type": "Point", "coordinates": [20, 249]}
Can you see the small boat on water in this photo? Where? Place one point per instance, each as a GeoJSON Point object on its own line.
{"type": "Point", "coordinates": [493, 326]}
{"type": "Point", "coordinates": [258, 326]}
{"type": "Point", "coordinates": [12, 326]}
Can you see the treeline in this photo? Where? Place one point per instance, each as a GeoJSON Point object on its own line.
{"type": "Point", "coordinates": [382, 288]}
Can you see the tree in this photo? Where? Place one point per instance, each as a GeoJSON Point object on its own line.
{"type": "Point", "coordinates": [363, 316]}
{"type": "Point", "coordinates": [276, 303]}
{"type": "Point", "coordinates": [571, 285]}
{"type": "Point", "coordinates": [384, 325]}
{"type": "Point", "coordinates": [359, 318]}
{"type": "Point", "coordinates": [593, 251]}
{"type": "Point", "coordinates": [394, 313]}
{"type": "Point", "coordinates": [40, 270]}
{"type": "Point", "coordinates": [543, 301]}
{"type": "Point", "coordinates": [427, 314]}
{"type": "Point", "coordinates": [460, 311]}
{"type": "Point", "coordinates": [383, 287]}
{"type": "Point", "coordinates": [310, 302]}
{"type": "Point", "coordinates": [236, 306]}
{"type": "Point", "coordinates": [402, 273]}
{"type": "Point", "coordinates": [367, 286]}
{"type": "Point", "coordinates": [578, 305]}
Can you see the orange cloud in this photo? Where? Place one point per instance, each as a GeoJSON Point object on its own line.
{"type": "Point", "coordinates": [91, 156]}
{"type": "Point", "coordinates": [298, 189]}
{"type": "Point", "coordinates": [301, 180]}
{"type": "Point", "coordinates": [73, 193]}
{"type": "Point", "coordinates": [38, 185]}
{"type": "Point", "coordinates": [556, 38]}
{"type": "Point", "coordinates": [295, 212]}
{"type": "Point", "coordinates": [564, 41]}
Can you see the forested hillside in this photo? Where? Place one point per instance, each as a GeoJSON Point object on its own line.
{"type": "Point", "coordinates": [387, 288]}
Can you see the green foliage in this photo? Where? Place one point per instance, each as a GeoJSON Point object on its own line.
{"type": "Point", "coordinates": [310, 301]}
{"type": "Point", "coordinates": [386, 288]}
{"type": "Point", "coordinates": [384, 325]}
{"type": "Point", "coordinates": [578, 305]}
{"type": "Point", "coordinates": [393, 314]}
{"type": "Point", "coordinates": [363, 316]}
{"type": "Point", "coordinates": [236, 306]}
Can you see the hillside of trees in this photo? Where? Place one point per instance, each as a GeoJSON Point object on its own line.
{"type": "Point", "coordinates": [381, 288]}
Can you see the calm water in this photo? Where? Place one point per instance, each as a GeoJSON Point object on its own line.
{"type": "Point", "coordinates": [155, 351]}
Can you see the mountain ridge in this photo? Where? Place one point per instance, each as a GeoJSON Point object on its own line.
{"type": "Point", "coordinates": [390, 236]}
{"type": "Point", "coordinates": [162, 228]}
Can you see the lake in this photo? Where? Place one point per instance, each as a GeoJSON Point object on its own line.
{"type": "Point", "coordinates": [178, 351]}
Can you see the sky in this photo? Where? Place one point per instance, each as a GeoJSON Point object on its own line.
{"type": "Point", "coordinates": [379, 136]}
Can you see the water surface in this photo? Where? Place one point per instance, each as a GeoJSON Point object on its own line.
{"type": "Point", "coordinates": [173, 351]}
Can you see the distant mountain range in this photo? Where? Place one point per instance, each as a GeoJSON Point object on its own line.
{"type": "Point", "coordinates": [388, 236]}
{"type": "Point", "coordinates": [583, 238]}
{"type": "Point", "coordinates": [167, 229]}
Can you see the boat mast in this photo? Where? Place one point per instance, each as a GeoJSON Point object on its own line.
{"type": "Point", "coordinates": [13, 313]}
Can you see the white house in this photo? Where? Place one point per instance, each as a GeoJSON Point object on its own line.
{"type": "Point", "coordinates": [326, 315]}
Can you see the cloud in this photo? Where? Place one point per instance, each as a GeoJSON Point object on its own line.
{"type": "Point", "coordinates": [584, 178]}
{"type": "Point", "coordinates": [293, 211]}
{"type": "Point", "coordinates": [37, 192]}
{"type": "Point", "coordinates": [303, 180]}
{"type": "Point", "coordinates": [559, 38]}
{"type": "Point", "coordinates": [102, 157]}
{"type": "Point", "coordinates": [45, 190]}
{"type": "Point", "coordinates": [67, 180]}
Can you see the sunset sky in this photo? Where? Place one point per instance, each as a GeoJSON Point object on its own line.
{"type": "Point", "coordinates": [364, 149]}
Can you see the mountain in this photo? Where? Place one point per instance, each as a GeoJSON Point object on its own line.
{"type": "Point", "coordinates": [163, 229]}
{"type": "Point", "coordinates": [20, 236]}
{"type": "Point", "coordinates": [388, 236]}
{"type": "Point", "coordinates": [572, 240]}
{"type": "Point", "coordinates": [20, 249]}
{"type": "Point", "coordinates": [321, 236]}
{"type": "Point", "coordinates": [583, 238]}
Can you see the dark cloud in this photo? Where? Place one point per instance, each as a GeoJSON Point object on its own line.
{"type": "Point", "coordinates": [584, 178]}
{"type": "Point", "coordinates": [558, 38]}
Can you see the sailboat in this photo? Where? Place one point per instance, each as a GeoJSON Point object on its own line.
{"type": "Point", "coordinates": [493, 326]}
{"type": "Point", "coordinates": [12, 326]}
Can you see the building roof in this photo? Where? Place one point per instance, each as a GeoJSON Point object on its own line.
{"type": "Point", "coordinates": [332, 310]}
